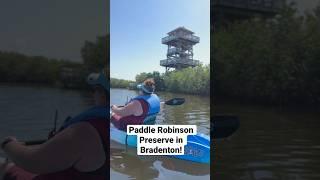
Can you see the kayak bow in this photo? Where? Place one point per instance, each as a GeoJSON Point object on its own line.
{"type": "Point", "coordinates": [196, 150]}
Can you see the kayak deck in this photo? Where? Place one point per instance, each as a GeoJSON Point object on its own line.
{"type": "Point", "coordinates": [196, 150]}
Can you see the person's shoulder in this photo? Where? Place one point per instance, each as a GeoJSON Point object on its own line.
{"type": "Point", "coordinates": [135, 102]}
{"type": "Point", "coordinates": [82, 130]}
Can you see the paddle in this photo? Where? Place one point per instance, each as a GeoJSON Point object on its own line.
{"type": "Point", "coordinates": [171, 102]}
{"type": "Point", "coordinates": [34, 142]}
{"type": "Point", "coordinates": [174, 101]}
{"type": "Point", "coordinates": [51, 133]}
{"type": "Point", "coordinates": [224, 125]}
{"type": "Point", "coordinates": [54, 130]}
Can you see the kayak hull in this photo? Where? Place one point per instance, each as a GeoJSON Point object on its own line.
{"type": "Point", "coordinates": [196, 150]}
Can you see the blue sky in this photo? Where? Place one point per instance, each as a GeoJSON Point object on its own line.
{"type": "Point", "coordinates": [54, 29]}
{"type": "Point", "coordinates": [137, 26]}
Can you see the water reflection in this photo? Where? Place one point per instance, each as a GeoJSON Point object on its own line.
{"type": "Point", "coordinates": [27, 112]}
{"type": "Point", "coordinates": [270, 144]}
{"type": "Point", "coordinates": [124, 160]}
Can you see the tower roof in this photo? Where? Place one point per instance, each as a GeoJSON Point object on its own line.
{"type": "Point", "coordinates": [180, 29]}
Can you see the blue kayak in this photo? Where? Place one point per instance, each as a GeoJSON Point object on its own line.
{"type": "Point", "coordinates": [196, 150]}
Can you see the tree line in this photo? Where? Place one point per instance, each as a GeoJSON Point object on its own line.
{"type": "Point", "coordinates": [273, 61]}
{"type": "Point", "coordinates": [120, 83]}
{"type": "Point", "coordinates": [19, 68]}
{"type": "Point", "coordinates": [189, 80]}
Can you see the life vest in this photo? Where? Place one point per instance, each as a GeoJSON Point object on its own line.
{"type": "Point", "coordinates": [96, 112]}
{"type": "Point", "coordinates": [150, 106]}
{"type": "Point", "coordinates": [154, 107]}
{"type": "Point", "coordinates": [153, 102]}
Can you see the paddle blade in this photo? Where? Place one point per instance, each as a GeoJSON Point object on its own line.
{"type": "Point", "coordinates": [175, 101]}
{"type": "Point", "coordinates": [224, 125]}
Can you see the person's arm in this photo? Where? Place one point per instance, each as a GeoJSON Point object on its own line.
{"type": "Point", "coordinates": [59, 153]}
{"type": "Point", "coordinates": [132, 108]}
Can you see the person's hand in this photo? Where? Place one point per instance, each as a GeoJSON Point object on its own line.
{"type": "Point", "coordinates": [113, 106]}
{"type": "Point", "coordinates": [8, 140]}
{"type": "Point", "coordinates": [52, 134]}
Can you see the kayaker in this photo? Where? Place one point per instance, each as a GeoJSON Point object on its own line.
{"type": "Point", "coordinates": [77, 152]}
{"type": "Point", "coordinates": [139, 110]}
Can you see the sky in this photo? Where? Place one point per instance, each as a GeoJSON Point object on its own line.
{"type": "Point", "coordinates": [58, 29]}
{"type": "Point", "coordinates": [54, 28]}
{"type": "Point", "coordinates": [137, 26]}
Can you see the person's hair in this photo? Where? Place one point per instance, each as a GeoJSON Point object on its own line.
{"type": "Point", "coordinates": [149, 84]}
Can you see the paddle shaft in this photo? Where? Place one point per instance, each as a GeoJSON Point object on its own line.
{"type": "Point", "coordinates": [173, 101]}
{"type": "Point", "coordinates": [35, 142]}
{"type": "Point", "coordinates": [55, 121]}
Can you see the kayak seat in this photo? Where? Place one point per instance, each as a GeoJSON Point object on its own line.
{"type": "Point", "coordinates": [150, 120]}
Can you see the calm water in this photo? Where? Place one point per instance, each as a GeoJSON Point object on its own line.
{"type": "Point", "coordinates": [270, 144]}
{"type": "Point", "coordinates": [28, 113]}
{"type": "Point", "coordinates": [125, 164]}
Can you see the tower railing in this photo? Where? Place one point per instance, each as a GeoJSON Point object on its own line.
{"type": "Point", "coordinates": [189, 37]}
{"type": "Point", "coordinates": [188, 62]}
{"type": "Point", "coordinates": [175, 51]}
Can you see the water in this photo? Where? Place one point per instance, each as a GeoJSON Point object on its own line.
{"type": "Point", "coordinates": [125, 164]}
{"type": "Point", "coordinates": [28, 112]}
{"type": "Point", "coordinates": [270, 144]}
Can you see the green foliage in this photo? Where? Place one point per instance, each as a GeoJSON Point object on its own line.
{"type": "Point", "coordinates": [120, 83]}
{"type": "Point", "coordinates": [17, 68]}
{"type": "Point", "coordinates": [273, 61]}
{"type": "Point", "coordinates": [95, 54]}
{"type": "Point", "coordinates": [190, 80]}
{"type": "Point", "coordinates": [157, 77]}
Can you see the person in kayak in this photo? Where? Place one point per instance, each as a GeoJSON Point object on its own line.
{"type": "Point", "coordinates": [78, 151]}
{"type": "Point", "coordinates": [139, 110]}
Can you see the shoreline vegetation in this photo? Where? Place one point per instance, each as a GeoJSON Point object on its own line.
{"type": "Point", "coordinates": [189, 81]}
{"type": "Point", "coordinates": [266, 61]}
{"type": "Point", "coordinates": [269, 61]}
{"type": "Point", "coordinates": [17, 68]}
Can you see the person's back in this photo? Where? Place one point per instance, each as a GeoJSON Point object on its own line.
{"type": "Point", "coordinates": [141, 108]}
{"type": "Point", "coordinates": [121, 121]}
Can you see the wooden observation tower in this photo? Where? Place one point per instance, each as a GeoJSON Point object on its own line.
{"type": "Point", "coordinates": [180, 43]}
